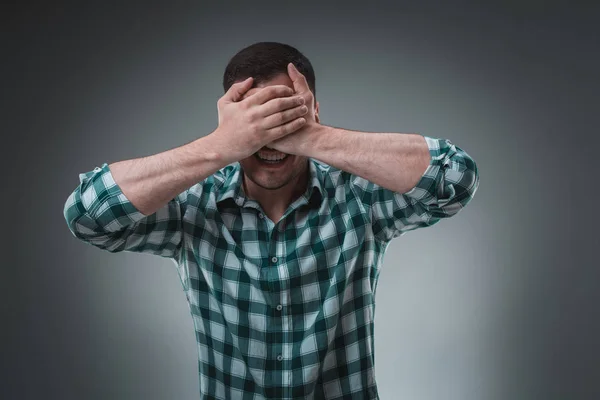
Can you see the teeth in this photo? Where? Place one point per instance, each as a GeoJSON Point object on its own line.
{"type": "Point", "coordinates": [271, 157]}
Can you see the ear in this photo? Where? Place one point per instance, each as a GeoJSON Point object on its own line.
{"type": "Point", "coordinates": [317, 112]}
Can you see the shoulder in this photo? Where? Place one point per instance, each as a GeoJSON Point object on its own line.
{"type": "Point", "coordinates": [331, 176]}
{"type": "Point", "coordinates": [213, 183]}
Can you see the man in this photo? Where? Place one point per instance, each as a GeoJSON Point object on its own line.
{"type": "Point", "coordinates": [279, 254]}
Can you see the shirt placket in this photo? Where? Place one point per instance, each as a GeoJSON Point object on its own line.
{"type": "Point", "coordinates": [279, 351]}
{"type": "Point", "coordinates": [282, 300]}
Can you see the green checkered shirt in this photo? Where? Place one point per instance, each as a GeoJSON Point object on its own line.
{"type": "Point", "coordinates": [282, 310]}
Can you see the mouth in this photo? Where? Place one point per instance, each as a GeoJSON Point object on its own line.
{"type": "Point", "coordinates": [271, 158]}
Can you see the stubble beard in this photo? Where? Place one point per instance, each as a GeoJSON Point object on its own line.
{"type": "Point", "coordinates": [271, 187]}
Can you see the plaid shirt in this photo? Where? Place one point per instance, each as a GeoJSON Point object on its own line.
{"type": "Point", "coordinates": [281, 309]}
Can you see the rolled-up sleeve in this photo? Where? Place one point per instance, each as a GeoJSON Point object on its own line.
{"type": "Point", "coordinates": [447, 186]}
{"type": "Point", "coordinates": [98, 213]}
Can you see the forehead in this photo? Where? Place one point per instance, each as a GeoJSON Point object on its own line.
{"type": "Point", "coordinates": [281, 79]}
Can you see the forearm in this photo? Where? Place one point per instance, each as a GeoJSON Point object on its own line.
{"type": "Point", "coordinates": [151, 182]}
{"type": "Point", "coordinates": [395, 161]}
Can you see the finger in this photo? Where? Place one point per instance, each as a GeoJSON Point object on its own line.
{"type": "Point", "coordinates": [279, 104]}
{"type": "Point", "coordinates": [268, 93]}
{"type": "Point", "coordinates": [237, 90]}
{"type": "Point", "coordinates": [284, 117]}
{"type": "Point", "coordinates": [299, 80]}
{"type": "Point", "coordinates": [286, 129]}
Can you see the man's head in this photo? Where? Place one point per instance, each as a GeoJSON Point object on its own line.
{"type": "Point", "coordinates": [265, 60]}
{"type": "Point", "coordinates": [267, 63]}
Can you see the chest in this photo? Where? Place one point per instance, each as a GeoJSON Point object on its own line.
{"type": "Point", "coordinates": [307, 247]}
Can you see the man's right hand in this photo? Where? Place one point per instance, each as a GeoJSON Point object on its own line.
{"type": "Point", "coordinates": [247, 124]}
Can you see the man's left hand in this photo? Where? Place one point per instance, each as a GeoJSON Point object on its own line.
{"type": "Point", "coordinates": [300, 141]}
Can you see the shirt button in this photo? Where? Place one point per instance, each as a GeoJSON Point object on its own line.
{"type": "Point", "coordinates": [274, 259]}
{"type": "Point", "coordinates": [279, 307]}
{"type": "Point", "coordinates": [279, 358]}
{"type": "Point", "coordinates": [261, 216]}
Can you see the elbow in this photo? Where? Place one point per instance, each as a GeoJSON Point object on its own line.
{"type": "Point", "coordinates": [71, 213]}
{"type": "Point", "coordinates": [78, 220]}
{"type": "Point", "coordinates": [457, 188]}
{"type": "Point", "coordinates": [471, 179]}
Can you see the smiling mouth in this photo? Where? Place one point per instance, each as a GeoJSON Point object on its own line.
{"type": "Point", "coordinates": [271, 160]}
{"type": "Point", "coordinates": [268, 154]}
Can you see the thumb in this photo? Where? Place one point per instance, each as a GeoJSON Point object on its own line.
{"type": "Point", "coordinates": [298, 80]}
{"type": "Point", "coordinates": [237, 90]}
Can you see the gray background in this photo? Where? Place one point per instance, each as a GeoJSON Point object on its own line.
{"type": "Point", "coordinates": [500, 302]}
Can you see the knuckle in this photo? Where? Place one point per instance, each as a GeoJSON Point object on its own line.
{"type": "Point", "coordinates": [253, 128]}
{"type": "Point", "coordinates": [250, 117]}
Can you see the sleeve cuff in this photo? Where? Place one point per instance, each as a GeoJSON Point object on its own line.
{"type": "Point", "coordinates": [425, 189]}
{"type": "Point", "coordinates": [101, 194]}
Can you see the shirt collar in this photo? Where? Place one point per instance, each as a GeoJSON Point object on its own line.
{"type": "Point", "coordinates": [232, 176]}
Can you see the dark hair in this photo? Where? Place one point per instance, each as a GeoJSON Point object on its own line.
{"type": "Point", "coordinates": [265, 60]}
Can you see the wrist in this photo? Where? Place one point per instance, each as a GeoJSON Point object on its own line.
{"type": "Point", "coordinates": [323, 141]}
{"type": "Point", "coordinates": [219, 148]}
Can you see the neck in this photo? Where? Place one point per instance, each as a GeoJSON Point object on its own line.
{"type": "Point", "coordinates": [275, 202]}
